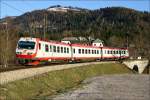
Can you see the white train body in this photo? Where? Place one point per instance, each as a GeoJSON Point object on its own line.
{"type": "Point", "coordinates": [33, 50]}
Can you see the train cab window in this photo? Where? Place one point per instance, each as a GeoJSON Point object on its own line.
{"type": "Point", "coordinates": [86, 51]}
{"type": "Point", "coordinates": [46, 48]}
{"type": "Point", "coordinates": [67, 50]}
{"type": "Point", "coordinates": [54, 48]}
{"type": "Point", "coordinates": [74, 51]}
{"type": "Point", "coordinates": [39, 46]}
{"type": "Point", "coordinates": [50, 48]}
{"type": "Point", "coordinates": [79, 50]}
{"type": "Point", "coordinates": [64, 49]}
{"type": "Point", "coordinates": [82, 51]}
{"type": "Point", "coordinates": [61, 49]}
{"type": "Point", "coordinates": [58, 49]}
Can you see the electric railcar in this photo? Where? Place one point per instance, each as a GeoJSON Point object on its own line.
{"type": "Point", "coordinates": [32, 51]}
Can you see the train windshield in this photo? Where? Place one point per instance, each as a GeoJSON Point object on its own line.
{"type": "Point", "coordinates": [26, 45]}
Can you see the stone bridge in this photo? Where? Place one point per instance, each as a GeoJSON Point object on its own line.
{"type": "Point", "coordinates": [137, 65]}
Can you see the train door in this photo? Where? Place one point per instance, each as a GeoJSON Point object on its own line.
{"type": "Point", "coordinates": [72, 52]}
{"type": "Point", "coordinates": [101, 53]}
{"type": "Point", "coordinates": [40, 50]}
{"type": "Point", "coordinates": [43, 51]}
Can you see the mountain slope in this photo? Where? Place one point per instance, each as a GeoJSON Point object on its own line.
{"type": "Point", "coordinates": [102, 23]}
{"type": "Point", "coordinates": [113, 25]}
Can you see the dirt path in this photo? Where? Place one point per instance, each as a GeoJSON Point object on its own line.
{"type": "Point", "coordinates": [116, 87]}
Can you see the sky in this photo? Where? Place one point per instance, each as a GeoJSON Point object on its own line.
{"type": "Point", "coordinates": [19, 7]}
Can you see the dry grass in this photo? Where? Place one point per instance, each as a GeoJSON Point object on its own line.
{"type": "Point", "coordinates": [56, 82]}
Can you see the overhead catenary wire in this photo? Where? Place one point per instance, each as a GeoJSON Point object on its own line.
{"type": "Point", "coordinates": [12, 7]}
{"type": "Point", "coordinates": [19, 10]}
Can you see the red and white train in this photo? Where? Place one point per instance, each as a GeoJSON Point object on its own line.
{"type": "Point", "coordinates": [32, 51]}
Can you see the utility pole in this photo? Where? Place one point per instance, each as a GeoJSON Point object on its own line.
{"type": "Point", "coordinates": [6, 51]}
{"type": "Point", "coordinates": [127, 37]}
{"type": "Point", "coordinates": [45, 25]}
{"type": "Point", "coordinates": [7, 38]}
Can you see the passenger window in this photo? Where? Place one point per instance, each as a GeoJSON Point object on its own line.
{"type": "Point", "coordinates": [64, 49]}
{"type": "Point", "coordinates": [54, 48]}
{"type": "Point", "coordinates": [92, 51]}
{"type": "Point", "coordinates": [58, 49]}
{"type": "Point", "coordinates": [46, 48]}
{"type": "Point", "coordinates": [89, 51]}
{"type": "Point", "coordinates": [39, 46]}
{"type": "Point", "coordinates": [86, 51]}
{"type": "Point", "coordinates": [79, 51]}
{"type": "Point", "coordinates": [108, 52]}
{"type": "Point", "coordinates": [97, 52]}
{"type": "Point", "coordinates": [114, 52]}
{"type": "Point", "coordinates": [67, 50]}
{"type": "Point", "coordinates": [124, 52]}
{"type": "Point", "coordinates": [120, 52]}
{"type": "Point", "coordinates": [82, 51]}
{"type": "Point", "coordinates": [74, 51]}
{"type": "Point", "coordinates": [61, 49]}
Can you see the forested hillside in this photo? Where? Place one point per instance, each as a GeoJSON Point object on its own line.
{"type": "Point", "coordinates": [113, 25]}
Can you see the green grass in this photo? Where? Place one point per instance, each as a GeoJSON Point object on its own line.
{"type": "Point", "coordinates": [56, 82]}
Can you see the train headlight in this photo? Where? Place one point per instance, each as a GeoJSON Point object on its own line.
{"type": "Point", "coordinates": [18, 53]}
{"type": "Point", "coordinates": [30, 53]}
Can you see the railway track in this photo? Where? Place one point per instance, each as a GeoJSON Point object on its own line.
{"type": "Point", "coordinates": [9, 76]}
{"type": "Point", "coordinates": [13, 67]}
{"type": "Point", "coordinates": [18, 67]}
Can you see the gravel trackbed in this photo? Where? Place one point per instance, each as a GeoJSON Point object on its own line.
{"type": "Point", "coordinates": [10, 76]}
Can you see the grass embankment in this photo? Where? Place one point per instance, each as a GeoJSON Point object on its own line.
{"type": "Point", "coordinates": [56, 82]}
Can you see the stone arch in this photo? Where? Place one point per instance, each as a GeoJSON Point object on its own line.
{"type": "Point", "coordinates": [135, 68]}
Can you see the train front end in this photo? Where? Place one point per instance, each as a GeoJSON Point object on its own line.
{"type": "Point", "coordinates": [26, 50]}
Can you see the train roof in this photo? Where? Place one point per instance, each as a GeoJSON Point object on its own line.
{"type": "Point", "coordinates": [73, 44]}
